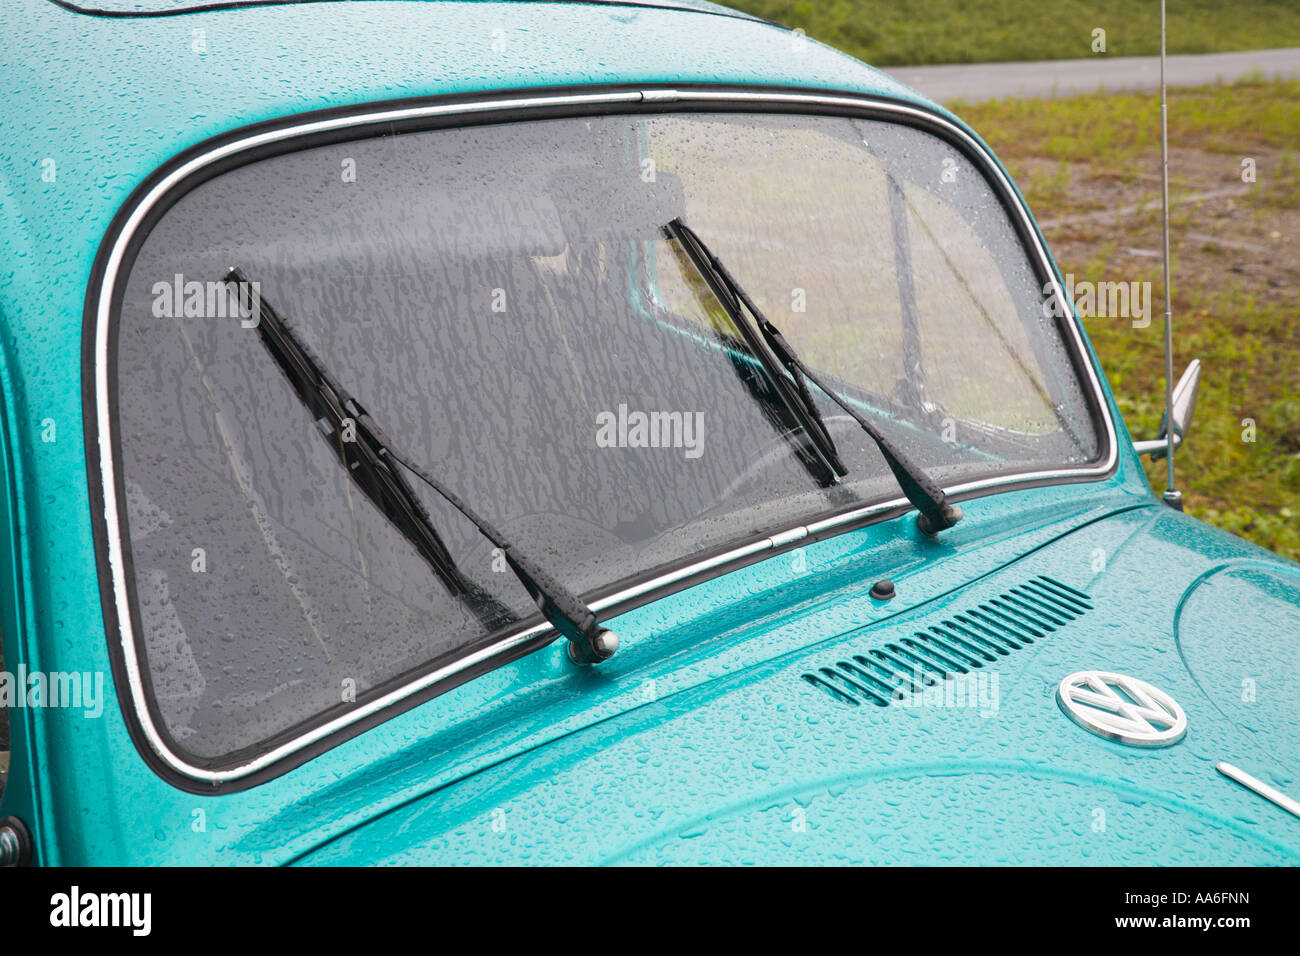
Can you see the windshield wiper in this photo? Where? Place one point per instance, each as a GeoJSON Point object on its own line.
{"type": "Point", "coordinates": [929, 499]}
{"type": "Point", "coordinates": [373, 462]}
{"type": "Point", "coordinates": [792, 391]}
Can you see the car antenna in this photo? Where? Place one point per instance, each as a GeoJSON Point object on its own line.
{"type": "Point", "coordinates": [1172, 496]}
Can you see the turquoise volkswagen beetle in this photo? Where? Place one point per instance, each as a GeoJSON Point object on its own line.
{"type": "Point", "coordinates": [607, 432]}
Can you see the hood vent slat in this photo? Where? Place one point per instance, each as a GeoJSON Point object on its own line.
{"type": "Point", "coordinates": [967, 641]}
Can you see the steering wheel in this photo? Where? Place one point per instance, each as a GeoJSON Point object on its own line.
{"type": "Point", "coordinates": [779, 450]}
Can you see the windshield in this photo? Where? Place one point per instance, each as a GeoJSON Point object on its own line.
{"type": "Point", "coordinates": [506, 301]}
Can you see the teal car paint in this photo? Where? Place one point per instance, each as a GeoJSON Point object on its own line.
{"type": "Point", "coordinates": [723, 730]}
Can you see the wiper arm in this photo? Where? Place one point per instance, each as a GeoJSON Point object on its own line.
{"type": "Point", "coordinates": [929, 499]}
{"type": "Point", "coordinates": [372, 461]}
{"type": "Point", "coordinates": [792, 391]}
{"type": "Point", "coordinates": [731, 295]}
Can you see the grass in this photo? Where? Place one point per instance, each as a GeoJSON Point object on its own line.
{"type": "Point", "coordinates": [1235, 264]}
{"type": "Point", "coordinates": [890, 33]}
{"type": "Point", "coordinates": [1116, 134]}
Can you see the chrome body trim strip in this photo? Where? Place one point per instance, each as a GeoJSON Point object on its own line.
{"type": "Point", "coordinates": [1254, 784]}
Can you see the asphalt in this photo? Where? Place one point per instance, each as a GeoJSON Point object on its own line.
{"type": "Point", "coordinates": [973, 82]}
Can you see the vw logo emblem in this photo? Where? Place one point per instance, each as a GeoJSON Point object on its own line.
{"type": "Point", "coordinates": [1122, 708]}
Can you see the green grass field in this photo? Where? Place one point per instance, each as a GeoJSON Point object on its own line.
{"type": "Point", "coordinates": [890, 33]}
{"type": "Point", "coordinates": [1089, 167]}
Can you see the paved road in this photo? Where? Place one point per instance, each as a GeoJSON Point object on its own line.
{"type": "Point", "coordinates": [973, 82]}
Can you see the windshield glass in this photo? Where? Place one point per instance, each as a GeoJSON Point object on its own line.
{"type": "Point", "coordinates": [504, 301]}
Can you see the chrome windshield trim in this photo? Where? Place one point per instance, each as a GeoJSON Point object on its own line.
{"type": "Point", "coordinates": [107, 466]}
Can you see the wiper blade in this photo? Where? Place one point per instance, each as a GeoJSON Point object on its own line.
{"type": "Point", "coordinates": [375, 464]}
{"type": "Point", "coordinates": [924, 493]}
{"type": "Point", "coordinates": [791, 390]}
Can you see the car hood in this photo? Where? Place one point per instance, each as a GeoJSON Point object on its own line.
{"type": "Point", "coordinates": [804, 759]}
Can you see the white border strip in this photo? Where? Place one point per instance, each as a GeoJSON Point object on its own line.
{"type": "Point", "coordinates": [108, 477]}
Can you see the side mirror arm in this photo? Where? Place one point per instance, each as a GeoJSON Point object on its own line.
{"type": "Point", "coordinates": [1184, 407]}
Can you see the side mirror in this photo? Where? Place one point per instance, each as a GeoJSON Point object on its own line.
{"type": "Point", "coordinates": [1184, 406]}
